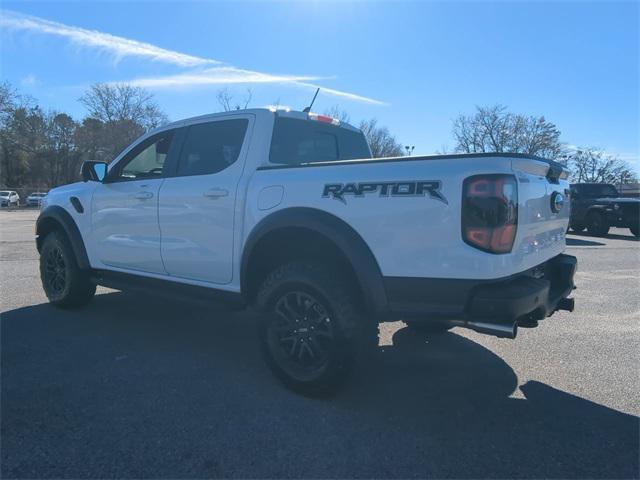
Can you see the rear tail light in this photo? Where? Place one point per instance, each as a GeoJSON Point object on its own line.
{"type": "Point", "coordinates": [490, 212]}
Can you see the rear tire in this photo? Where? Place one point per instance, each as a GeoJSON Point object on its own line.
{"type": "Point", "coordinates": [428, 327]}
{"type": "Point", "coordinates": [312, 330]}
{"type": "Point", "coordinates": [64, 283]}
{"type": "Point", "coordinates": [597, 225]}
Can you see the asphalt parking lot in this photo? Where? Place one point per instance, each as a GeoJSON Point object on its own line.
{"type": "Point", "coordinates": [136, 386]}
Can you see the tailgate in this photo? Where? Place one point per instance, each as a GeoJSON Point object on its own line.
{"type": "Point", "coordinates": [543, 210]}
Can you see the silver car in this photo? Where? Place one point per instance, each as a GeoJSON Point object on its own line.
{"type": "Point", "coordinates": [35, 199]}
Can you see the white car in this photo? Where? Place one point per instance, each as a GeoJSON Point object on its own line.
{"type": "Point", "coordinates": [35, 199]}
{"type": "Point", "coordinates": [9, 198]}
{"type": "Point", "coordinates": [287, 212]}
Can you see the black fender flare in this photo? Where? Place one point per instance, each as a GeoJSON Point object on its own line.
{"type": "Point", "coordinates": [61, 217]}
{"type": "Point", "coordinates": [350, 243]}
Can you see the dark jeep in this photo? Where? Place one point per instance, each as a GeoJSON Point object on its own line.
{"type": "Point", "coordinates": [598, 207]}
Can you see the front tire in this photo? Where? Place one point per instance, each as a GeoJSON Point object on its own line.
{"type": "Point", "coordinates": [312, 330]}
{"type": "Point", "coordinates": [597, 225]}
{"type": "Point", "coordinates": [64, 283]}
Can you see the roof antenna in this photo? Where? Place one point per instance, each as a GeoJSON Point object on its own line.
{"type": "Point", "coordinates": [308, 109]}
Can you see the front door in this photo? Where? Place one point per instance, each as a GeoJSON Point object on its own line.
{"type": "Point", "coordinates": [124, 214]}
{"type": "Point", "coordinates": [197, 204]}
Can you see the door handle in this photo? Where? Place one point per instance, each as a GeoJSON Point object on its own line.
{"type": "Point", "coordinates": [216, 193]}
{"type": "Point", "coordinates": [143, 195]}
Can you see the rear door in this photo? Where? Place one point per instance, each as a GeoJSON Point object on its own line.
{"type": "Point", "coordinates": [197, 208]}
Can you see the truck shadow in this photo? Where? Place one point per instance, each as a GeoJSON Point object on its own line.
{"type": "Point", "coordinates": [579, 242]}
{"type": "Point", "coordinates": [134, 386]}
{"type": "Point", "coordinates": [629, 237]}
{"type": "Point", "coordinates": [609, 236]}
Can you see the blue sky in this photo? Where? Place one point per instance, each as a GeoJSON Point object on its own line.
{"type": "Point", "coordinates": [413, 65]}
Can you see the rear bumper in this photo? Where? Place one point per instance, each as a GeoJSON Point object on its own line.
{"type": "Point", "coordinates": [525, 296]}
{"type": "Point", "coordinates": [479, 304]}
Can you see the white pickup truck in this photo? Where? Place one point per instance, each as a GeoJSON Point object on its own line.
{"type": "Point", "coordinates": [288, 213]}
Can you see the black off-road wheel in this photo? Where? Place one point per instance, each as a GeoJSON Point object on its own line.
{"type": "Point", "coordinates": [312, 330]}
{"type": "Point", "coordinates": [635, 230]}
{"type": "Point", "coordinates": [432, 327]}
{"type": "Point", "coordinates": [597, 225]}
{"type": "Point", "coordinates": [64, 283]}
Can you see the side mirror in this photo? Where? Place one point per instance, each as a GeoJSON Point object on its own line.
{"type": "Point", "coordinates": [93, 171]}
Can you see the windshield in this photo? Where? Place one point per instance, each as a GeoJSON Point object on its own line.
{"type": "Point", "coordinates": [298, 141]}
{"type": "Point", "coordinates": [4, 194]}
{"type": "Point", "coordinates": [598, 190]}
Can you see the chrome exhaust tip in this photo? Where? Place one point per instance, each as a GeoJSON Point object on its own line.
{"type": "Point", "coordinates": [567, 304]}
{"type": "Point", "coordinates": [500, 330]}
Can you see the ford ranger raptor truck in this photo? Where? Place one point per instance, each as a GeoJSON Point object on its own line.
{"type": "Point", "coordinates": [598, 207]}
{"type": "Point", "coordinates": [287, 212]}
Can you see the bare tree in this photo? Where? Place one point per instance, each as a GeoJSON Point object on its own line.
{"type": "Point", "coordinates": [125, 112]}
{"type": "Point", "coordinates": [595, 166]}
{"type": "Point", "coordinates": [123, 103]}
{"type": "Point", "coordinates": [338, 113]}
{"type": "Point", "coordinates": [493, 129]}
{"type": "Point", "coordinates": [228, 101]}
{"type": "Point", "coordinates": [381, 142]}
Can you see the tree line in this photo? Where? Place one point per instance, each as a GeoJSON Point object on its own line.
{"type": "Point", "coordinates": [46, 147]}
{"type": "Point", "coordinates": [494, 129]}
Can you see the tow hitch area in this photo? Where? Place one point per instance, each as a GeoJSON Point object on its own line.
{"type": "Point", "coordinates": [499, 309]}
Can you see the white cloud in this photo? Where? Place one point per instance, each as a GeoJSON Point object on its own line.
{"type": "Point", "coordinates": [29, 81]}
{"type": "Point", "coordinates": [203, 74]}
{"type": "Point", "coordinates": [216, 76]}
{"type": "Point", "coordinates": [345, 95]}
{"type": "Point", "coordinates": [233, 75]}
{"type": "Point", "coordinates": [118, 46]}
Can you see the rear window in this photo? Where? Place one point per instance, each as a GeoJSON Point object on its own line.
{"type": "Point", "coordinates": [306, 141]}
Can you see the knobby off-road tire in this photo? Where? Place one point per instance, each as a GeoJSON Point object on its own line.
{"type": "Point", "coordinates": [64, 283]}
{"type": "Point", "coordinates": [597, 224]}
{"type": "Point", "coordinates": [312, 331]}
{"type": "Point", "coordinates": [428, 327]}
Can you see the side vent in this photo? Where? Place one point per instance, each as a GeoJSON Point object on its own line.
{"type": "Point", "coordinates": [75, 201]}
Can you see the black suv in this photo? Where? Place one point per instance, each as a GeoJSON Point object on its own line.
{"type": "Point", "coordinates": [598, 207]}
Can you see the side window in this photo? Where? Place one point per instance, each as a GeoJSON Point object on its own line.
{"type": "Point", "coordinates": [211, 147]}
{"type": "Point", "coordinates": [146, 160]}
